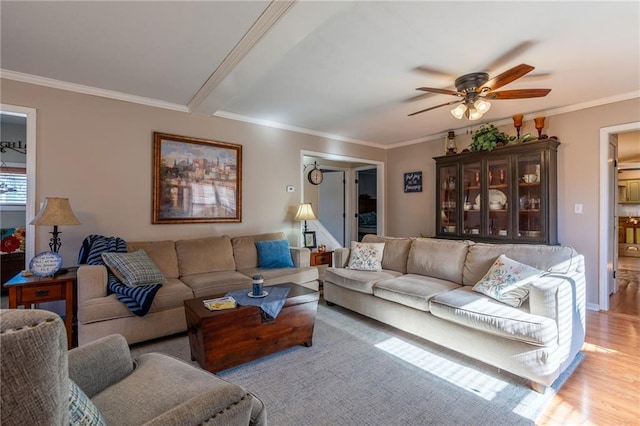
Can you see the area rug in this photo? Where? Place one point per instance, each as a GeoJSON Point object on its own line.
{"type": "Point", "coordinates": [362, 372]}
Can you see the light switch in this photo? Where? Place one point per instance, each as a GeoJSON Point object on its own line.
{"type": "Point", "coordinates": [577, 209]}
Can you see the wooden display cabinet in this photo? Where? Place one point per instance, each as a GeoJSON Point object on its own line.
{"type": "Point", "coordinates": [507, 195]}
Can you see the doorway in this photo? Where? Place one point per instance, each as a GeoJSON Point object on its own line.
{"type": "Point", "coordinates": [345, 208]}
{"type": "Point", "coordinates": [609, 232]}
{"type": "Point", "coordinates": [367, 213]}
{"type": "Point", "coordinates": [625, 299]}
{"type": "Point", "coordinates": [24, 118]}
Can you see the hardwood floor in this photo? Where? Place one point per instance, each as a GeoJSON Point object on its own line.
{"type": "Point", "coordinates": [627, 299]}
{"type": "Point", "coordinates": [605, 387]}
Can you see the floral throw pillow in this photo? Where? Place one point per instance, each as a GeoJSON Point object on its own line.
{"type": "Point", "coordinates": [507, 281]}
{"type": "Point", "coordinates": [366, 256]}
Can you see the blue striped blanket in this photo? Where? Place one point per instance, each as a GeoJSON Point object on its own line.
{"type": "Point", "coordinates": [137, 299]}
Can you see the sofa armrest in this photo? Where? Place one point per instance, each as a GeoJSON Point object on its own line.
{"type": "Point", "coordinates": [225, 405]}
{"type": "Point", "coordinates": [341, 257]}
{"type": "Point", "coordinates": [99, 364]}
{"type": "Point", "coordinates": [92, 282]}
{"type": "Point", "coordinates": [562, 297]}
{"type": "Point", "coordinates": [301, 257]}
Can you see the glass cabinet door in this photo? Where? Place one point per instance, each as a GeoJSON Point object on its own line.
{"type": "Point", "coordinates": [498, 202]}
{"type": "Point", "coordinates": [472, 192]}
{"type": "Point", "coordinates": [530, 223]}
{"type": "Point", "coordinates": [448, 200]}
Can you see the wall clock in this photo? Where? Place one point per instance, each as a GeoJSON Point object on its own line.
{"type": "Point", "coordinates": [315, 175]}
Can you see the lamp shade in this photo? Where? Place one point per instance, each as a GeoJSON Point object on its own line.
{"type": "Point", "coordinates": [305, 212]}
{"type": "Point", "coordinates": [54, 212]}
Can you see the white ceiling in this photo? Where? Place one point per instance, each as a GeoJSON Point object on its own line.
{"type": "Point", "coordinates": [342, 69]}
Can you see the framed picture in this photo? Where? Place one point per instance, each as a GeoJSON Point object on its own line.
{"type": "Point", "coordinates": [196, 180]}
{"type": "Point", "coordinates": [309, 239]}
{"type": "Point", "coordinates": [413, 182]}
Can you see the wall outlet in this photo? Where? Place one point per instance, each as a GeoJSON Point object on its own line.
{"type": "Point", "coordinates": [577, 209]}
{"type": "Point", "coordinates": [290, 188]}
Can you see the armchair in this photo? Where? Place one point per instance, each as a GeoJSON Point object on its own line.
{"type": "Point", "coordinates": [154, 389]}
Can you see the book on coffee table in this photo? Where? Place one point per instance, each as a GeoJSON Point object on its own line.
{"type": "Point", "coordinates": [220, 303]}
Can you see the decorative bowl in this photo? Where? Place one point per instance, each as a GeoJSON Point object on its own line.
{"type": "Point", "coordinates": [530, 178]}
{"type": "Point", "coordinates": [495, 206]}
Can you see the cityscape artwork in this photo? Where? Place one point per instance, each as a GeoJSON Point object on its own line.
{"type": "Point", "coordinates": [196, 180]}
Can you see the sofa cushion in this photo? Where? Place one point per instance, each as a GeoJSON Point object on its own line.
{"type": "Point", "coordinates": [396, 251]}
{"type": "Point", "coordinates": [412, 290]}
{"type": "Point", "coordinates": [465, 307]}
{"type": "Point", "coordinates": [361, 281]}
{"type": "Point", "coordinates": [284, 275]}
{"type": "Point", "coordinates": [274, 254]}
{"type": "Point", "coordinates": [163, 253]}
{"type": "Point", "coordinates": [171, 295]}
{"type": "Point", "coordinates": [202, 255]}
{"type": "Point", "coordinates": [133, 269]}
{"type": "Point", "coordinates": [245, 253]}
{"type": "Point", "coordinates": [507, 281]}
{"type": "Point", "coordinates": [366, 256]}
{"type": "Point", "coordinates": [481, 256]}
{"type": "Point", "coordinates": [216, 283]}
{"type": "Point", "coordinates": [438, 258]}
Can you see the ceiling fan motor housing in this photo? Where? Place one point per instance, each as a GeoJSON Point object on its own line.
{"type": "Point", "coordinates": [470, 82]}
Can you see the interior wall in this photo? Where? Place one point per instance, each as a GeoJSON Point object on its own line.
{"type": "Point", "coordinates": [578, 180]}
{"type": "Point", "coordinates": [98, 153]}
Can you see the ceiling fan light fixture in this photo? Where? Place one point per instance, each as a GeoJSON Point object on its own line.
{"type": "Point", "coordinates": [458, 112]}
{"type": "Point", "coordinates": [482, 106]}
{"type": "Point", "coordinates": [473, 113]}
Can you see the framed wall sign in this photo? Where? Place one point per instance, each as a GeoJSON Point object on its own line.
{"type": "Point", "coordinates": [45, 264]}
{"type": "Point", "coordinates": [310, 239]}
{"type": "Point", "coordinates": [413, 182]}
{"type": "Point", "coordinates": [196, 180]}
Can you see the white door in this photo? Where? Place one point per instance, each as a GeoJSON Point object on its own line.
{"type": "Point", "coordinates": [331, 203]}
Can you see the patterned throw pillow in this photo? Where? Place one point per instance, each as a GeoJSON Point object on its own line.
{"type": "Point", "coordinates": [366, 256]}
{"type": "Point", "coordinates": [81, 409]}
{"type": "Point", "coordinates": [507, 281]}
{"type": "Point", "coordinates": [133, 269]}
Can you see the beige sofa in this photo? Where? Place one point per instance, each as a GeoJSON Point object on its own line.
{"type": "Point", "coordinates": [425, 288]}
{"type": "Point", "coordinates": [192, 268]}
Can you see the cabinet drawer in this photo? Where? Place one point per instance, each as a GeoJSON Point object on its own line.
{"type": "Point", "coordinates": [321, 259]}
{"type": "Point", "coordinates": [41, 293]}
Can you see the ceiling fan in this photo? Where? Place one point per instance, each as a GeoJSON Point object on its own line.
{"type": "Point", "coordinates": [475, 87]}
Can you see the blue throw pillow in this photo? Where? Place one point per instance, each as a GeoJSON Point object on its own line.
{"type": "Point", "coordinates": [274, 254]}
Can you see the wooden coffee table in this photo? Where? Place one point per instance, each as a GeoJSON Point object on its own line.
{"type": "Point", "coordinates": [224, 339]}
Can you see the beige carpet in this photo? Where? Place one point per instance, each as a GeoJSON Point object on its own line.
{"type": "Point", "coordinates": [361, 372]}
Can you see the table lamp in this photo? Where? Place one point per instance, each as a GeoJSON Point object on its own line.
{"type": "Point", "coordinates": [305, 212]}
{"type": "Point", "coordinates": [55, 212]}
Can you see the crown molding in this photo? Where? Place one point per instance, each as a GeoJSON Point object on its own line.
{"type": "Point", "coordinates": [88, 90]}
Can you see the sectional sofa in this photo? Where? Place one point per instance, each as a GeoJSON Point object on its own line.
{"type": "Point", "coordinates": [425, 287]}
{"type": "Point", "coordinates": [192, 268]}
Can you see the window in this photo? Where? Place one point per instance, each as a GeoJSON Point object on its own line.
{"type": "Point", "coordinates": [13, 186]}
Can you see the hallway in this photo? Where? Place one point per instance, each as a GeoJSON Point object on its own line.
{"type": "Point", "coordinates": [627, 299]}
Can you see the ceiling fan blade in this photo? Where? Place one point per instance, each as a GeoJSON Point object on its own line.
{"type": "Point", "coordinates": [510, 54]}
{"type": "Point", "coordinates": [437, 106]}
{"type": "Point", "coordinates": [442, 91]}
{"type": "Point", "coordinates": [434, 71]}
{"type": "Point", "coordinates": [518, 94]}
{"type": "Point", "coordinates": [507, 77]}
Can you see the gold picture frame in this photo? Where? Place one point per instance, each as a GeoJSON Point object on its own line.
{"type": "Point", "coordinates": [196, 180]}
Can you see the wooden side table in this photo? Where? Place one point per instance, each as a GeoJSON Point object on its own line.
{"type": "Point", "coordinates": [322, 258]}
{"type": "Point", "coordinates": [25, 291]}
